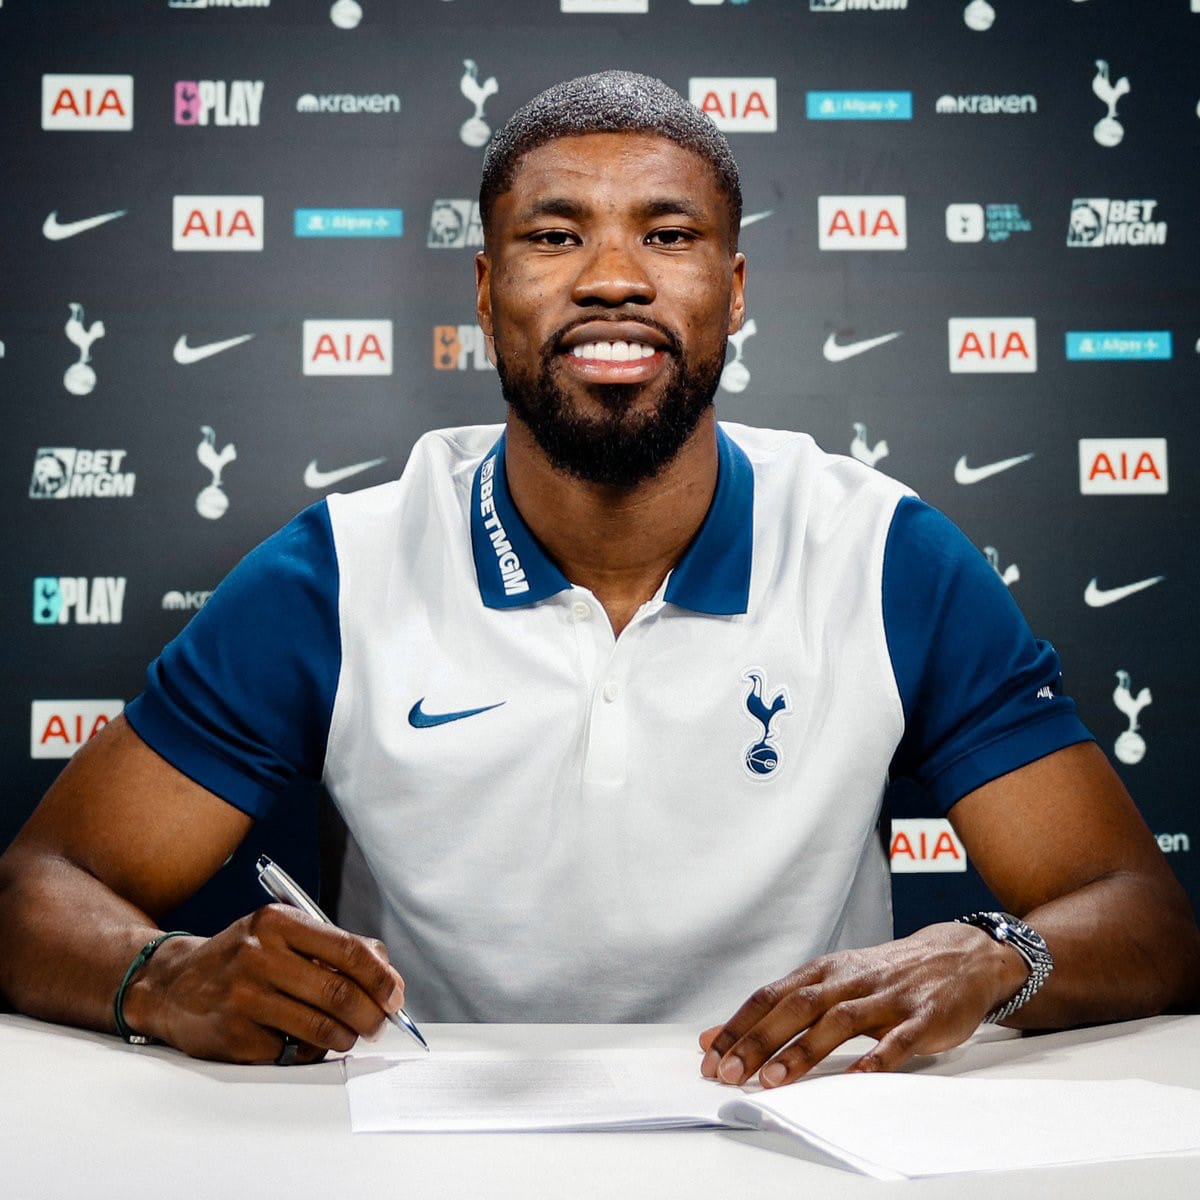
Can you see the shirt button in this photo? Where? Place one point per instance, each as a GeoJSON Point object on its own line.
{"type": "Point", "coordinates": [610, 691]}
{"type": "Point", "coordinates": [581, 611]}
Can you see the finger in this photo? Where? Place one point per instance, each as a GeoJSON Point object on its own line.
{"type": "Point", "coordinates": [795, 1011]}
{"type": "Point", "coordinates": [846, 1019]}
{"type": "Point", "coordinates": [892, 1051]}
{"type": "Point", "coordinates": [335, 995]}
{"type": "Point", "coordinates": [363, 960]}
{"type": "Point", "coordinates": [318, 1031]}
{"type": "Point", "coordinates": [759, 1004]}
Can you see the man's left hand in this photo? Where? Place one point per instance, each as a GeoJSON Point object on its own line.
{"type": "Point", "coordinates": [918, 995]}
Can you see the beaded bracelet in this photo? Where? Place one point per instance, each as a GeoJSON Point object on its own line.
{"type": "Point", "coordinates": [143, 956]}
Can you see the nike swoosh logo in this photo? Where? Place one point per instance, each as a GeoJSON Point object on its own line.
{"type": "Point", "coordinates": [423, 720]}
{"type": "Point", "coordinates": [56, 231]}
{"type": "Point", "coordinates": [750, 218]}
{"type": "Point", "coordinates": [322, 479]}
{"type": "Point", "coordinates": [836, 353]}
{"type": "Point", "coordinates": [185, 355]}
{"type": "Point", "coordinates": [964, 474]}
{"type": "Point", "coordinates": [1096, 597]}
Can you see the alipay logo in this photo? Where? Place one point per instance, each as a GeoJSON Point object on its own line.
{"type": "Point", "coordinates": [859, 106]}
{"type": "Point", "coordinates": [1114, 346]}
{"type": "Point", "coordinates": [349, 222]}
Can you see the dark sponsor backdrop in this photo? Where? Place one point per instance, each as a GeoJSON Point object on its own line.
{"type": "Point", "coordinates": [236, 252]}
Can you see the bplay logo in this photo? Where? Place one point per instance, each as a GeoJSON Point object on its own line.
{"type": "Point", "coordinates": [66, 473]}
{"type": "Point", "coordinates": [1012, 105]}
{"type": "Point", "coordinates": [605, 6]}
{"type": "Point", "coordinates": [217, 223]}
{"type": "Point", "coordinates": [87, 103]}
{"type": "Point", "coordinates": [185, 601]}
{"type": "Point", "coordinates": [455, 225]}
{"type": "Point", "coordinates": [1116, 346]}
{"type": "Point", "coordinates": [859, 106]}
{"type": "Point", "coordinates": [218, 101]}
{"type": "Point", "coordinates": [991, 345]}
{"type": "Point", "coordinates": [1097, 222]}
{"type": "Point", "coordinates": [830, 6]}
{"type": "Point", "coordinates": [862, 222]}
{"type": "Point", "coordinates": [347, 347]}
{"type": "Point", "coordinates": [66, 599]}
{"type": "Point", "coordinates": [349, 222]}
{"type": "Point", "coordinates": [57, 728]}
{"type": "Point", "coordinates": [923, 845]}
{"type": "Point", "coordinates": [345, 103]}
{"type": "Point", "coordinates": [974, 222]}
{"type": "Point", "coordinates": [459, 348]}
{"type": "Point", "coordinates": [1123, 466]}
{"type": "Point", "coordinates": [736, 105]}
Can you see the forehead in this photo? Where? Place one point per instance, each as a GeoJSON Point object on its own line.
{"type": "Point", "coordinates": [606, 167]}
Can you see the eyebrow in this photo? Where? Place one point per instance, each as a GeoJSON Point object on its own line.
{"type": "Point", "coordinates": [561, 206]}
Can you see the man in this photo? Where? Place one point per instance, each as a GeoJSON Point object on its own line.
{"type": "Point", "coordinates": [608, 701]}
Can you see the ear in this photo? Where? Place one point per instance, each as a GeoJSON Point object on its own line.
{"type": "Point", "coordinates": [737, 293]}
{"type": "Point", "coordinates": [483, 303]}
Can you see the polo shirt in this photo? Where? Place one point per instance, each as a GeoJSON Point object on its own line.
{"type": "Point", "coordinates": [550, 823]}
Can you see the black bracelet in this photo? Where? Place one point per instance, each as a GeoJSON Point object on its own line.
{"type": "Point", "coordinates": [143, 956]}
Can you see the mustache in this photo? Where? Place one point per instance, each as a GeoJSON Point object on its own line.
{"type": "Point", "coordinates": [554, 342]}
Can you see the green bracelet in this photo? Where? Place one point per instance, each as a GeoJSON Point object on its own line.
{"type": "Point", "coordinates": [143, 956]}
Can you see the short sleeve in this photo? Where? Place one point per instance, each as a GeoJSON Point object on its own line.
{"type": "Point", "coordinates": [241, 700]}
{"type": "Point", "coordinates": [981, 695]}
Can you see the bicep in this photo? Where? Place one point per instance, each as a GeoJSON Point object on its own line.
{"type": "Point", "coordinates": [1053, 826]}
{"type": "Point", "coordinates": [126, 816]}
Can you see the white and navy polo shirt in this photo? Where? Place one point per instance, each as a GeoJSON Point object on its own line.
{"type": "Point", "coordinates": [560, 825]}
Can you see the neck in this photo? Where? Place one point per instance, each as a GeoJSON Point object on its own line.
{"type": "Point", "coordinates": [619, 543]}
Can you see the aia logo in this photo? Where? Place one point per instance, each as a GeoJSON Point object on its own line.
{"type": "Point", "coordinates": [736, 105]}
{"type": "Point", "coordinates": [926, 845]}
{"type": "Point", "coordinates": [347, 347]}
{"type": "Point", "coordinates": [87, 102]}
{"type": "Point", "coordinates": [1123, 466]}
{"type": "Point", "coordinates": [57, 728]}
{"type": "Point", "coordinates": [993, 345]}
{"type": "Point", "coordinates": [863, 222]}
{"type": "Point", "coordinates": [217, 223]}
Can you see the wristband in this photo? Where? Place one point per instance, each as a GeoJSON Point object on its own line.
{"type": "Point", "coordinates": [143, 956]}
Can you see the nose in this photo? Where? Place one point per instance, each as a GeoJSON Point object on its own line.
{"type": "Point", "coordinates": [611, 274]}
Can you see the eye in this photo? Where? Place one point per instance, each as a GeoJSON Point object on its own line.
{"type": "Point", "coordinates": [554, 237]}
{"type": "Point", "coordinates": [670, 237]}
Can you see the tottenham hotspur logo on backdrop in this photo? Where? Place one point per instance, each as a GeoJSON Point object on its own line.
{"type": "Point", "coordinates": [762, 755]}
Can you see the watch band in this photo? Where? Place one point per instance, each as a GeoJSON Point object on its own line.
{"type": "Point", "coordinates": [1027, 942]}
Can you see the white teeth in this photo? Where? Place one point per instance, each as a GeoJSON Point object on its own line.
{"type": "Point", "coordinates": [613, 351]}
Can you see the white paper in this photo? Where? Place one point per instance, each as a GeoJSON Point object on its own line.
{"type": "Point", "coordinates": [904, 1125]}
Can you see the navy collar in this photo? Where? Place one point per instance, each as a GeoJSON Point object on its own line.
{"type": "Point", "coordinates": [713, 576]}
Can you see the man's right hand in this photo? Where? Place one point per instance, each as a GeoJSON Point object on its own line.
{"type": "Point", "coordinates": [274, 973]}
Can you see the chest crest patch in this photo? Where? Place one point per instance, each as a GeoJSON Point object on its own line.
{"type": "Point", "coordinates": [762, 755]}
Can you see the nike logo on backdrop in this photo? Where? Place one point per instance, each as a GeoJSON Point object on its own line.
{"type": "Point", "coordinates": [56, 231]}
{"type": "Point", "coordinates": [423, 720]}
{"type": "Point", "coordinates": [186, 355]}
{"type": "Point", "coordinates": [750, 218]}
{"type": "Point", "coordinates": [323, 479]}
{"type": "Point", "coordinates": [964, 474]}
{"type": "Point", "coordinates": [836, 353]}
{"type": "Point", "coordinates": [1096, 597]}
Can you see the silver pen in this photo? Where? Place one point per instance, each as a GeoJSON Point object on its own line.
{"type": "Point", "coordinates": [282, 887]}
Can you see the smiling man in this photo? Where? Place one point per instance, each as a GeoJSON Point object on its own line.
{"type": "Point", "coordinates": [609, 699]}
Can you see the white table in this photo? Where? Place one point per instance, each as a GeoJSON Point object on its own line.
{"type": "Point", "coordinates": [85, 1117]}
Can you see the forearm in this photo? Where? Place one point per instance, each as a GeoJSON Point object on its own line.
{"type": "Point", "coordinates": [1124, 946]}
{"type": "Point", "coordinates": [65, 940]}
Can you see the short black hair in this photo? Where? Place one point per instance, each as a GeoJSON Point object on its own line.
{"type": "Point", "coordinates": [608, 102]}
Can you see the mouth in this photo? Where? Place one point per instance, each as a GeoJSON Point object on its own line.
{"type": "Point", "coordinates": [615, 352]}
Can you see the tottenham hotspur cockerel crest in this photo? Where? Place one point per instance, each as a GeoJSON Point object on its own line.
{"type": "Point", "coordinates": [762, 755]}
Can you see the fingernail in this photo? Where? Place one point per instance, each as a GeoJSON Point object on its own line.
{"type": "Point", "coordinates": [376, 1035]}
{"type": "Point", "coordinates": [395, 1001]}
{"type": "Point", "coordinates": [773, 1074]}
{"type": "Point", "coordinates": [732, 1069]}
{"type": "Point", "coordinates": [708, 1068]}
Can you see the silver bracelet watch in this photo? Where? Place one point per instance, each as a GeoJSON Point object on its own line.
{"type": "Point", "coordinates": [1027, 942]}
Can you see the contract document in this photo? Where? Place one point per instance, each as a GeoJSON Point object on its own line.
{"type": "Point", "coordinates": [890, 1126]}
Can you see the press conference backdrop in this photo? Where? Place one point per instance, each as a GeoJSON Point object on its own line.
{"type": "Point", "coordinates": [237, 242]}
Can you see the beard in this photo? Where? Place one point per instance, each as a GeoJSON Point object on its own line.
{"type": "Point", "coordinates": [621, 447]}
